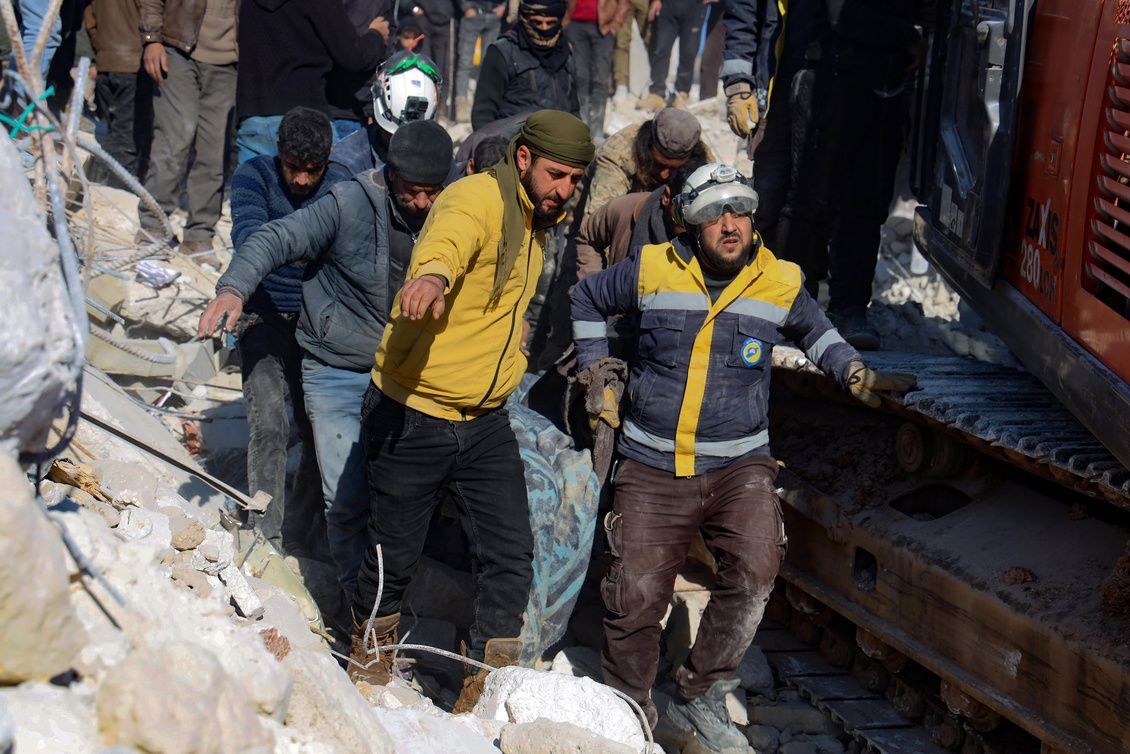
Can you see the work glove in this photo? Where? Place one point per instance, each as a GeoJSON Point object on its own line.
{"type": "Point", "coordinates": [742, 112]}
{"type": "Point", "coordinates": [608, 409]}
{"type": "Point", "coordinates": [865, 384]}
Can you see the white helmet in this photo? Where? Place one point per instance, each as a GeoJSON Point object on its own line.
{"type": "Point", "coordinates": [710, 192]}
{"type": "Point", "coordinates": [406, 88]}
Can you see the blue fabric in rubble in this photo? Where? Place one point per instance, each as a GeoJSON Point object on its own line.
{"type": "Point", "coordinates": [563, 493]}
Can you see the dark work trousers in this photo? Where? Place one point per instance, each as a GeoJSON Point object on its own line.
{"type": "Point", "coordinates": [412, 460]}
{"type": "Point", "coordinates": [192, 108]}
{"type": "Point", "coordinates": [843, 185]}
{"type": "Point", "coordinates": [679, 20]}
{"type": "Point", "coordinates": [271, 363]}
{"type": "Point", "coordinates": [125, 105]}
{"type": "Point", "coordinates": [654, 518]}
{"type": "Point", "coordinates": [778, 153]}
{"type": "Point", "coordinates": [592, 53]}
{"type": "Point", "coordinates": [711, 64]}
{"type": "Point", "coordinates": [436, 44]}
{"type": "Point", "coordinates": [484, 24]}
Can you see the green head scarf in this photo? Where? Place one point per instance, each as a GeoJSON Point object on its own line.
{"type": "Point", "coordinates": [554, 135]}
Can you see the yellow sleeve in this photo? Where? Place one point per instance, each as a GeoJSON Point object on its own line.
{"type": "Point", "coordinates": [453, 233]}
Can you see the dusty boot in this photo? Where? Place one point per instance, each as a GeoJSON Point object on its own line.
{"type": "Point", "coordinates": [462, 110]}
{"type": "Point", "coordinates": [383, 632]}
{"type": "Point", "coordinates": [621, 96]}
{"type": "Point", "coordinates": [702, 725]}
{"type": "Point", "coordinates": [852, 323]}
{"type": "Point", "coordinates": [682, 99]}
{"type": "Point", "coordinates": [498, 653]}
{"type": "Point", "coordinates": [652, 103]}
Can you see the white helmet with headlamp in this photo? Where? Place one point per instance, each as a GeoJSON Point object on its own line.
{"type": "Point", "coordinates": [406, 88]}
{"type": "Point", "coordinates": [710, 192]}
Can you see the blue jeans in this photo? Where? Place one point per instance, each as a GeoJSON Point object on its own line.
{"type": "Point", "coordinates": [31, 14]}
{"type": "Point", "coordinates": [484, 24]}
{"type": "Point", "coordinates": [259, 135]}
{"type": "Point", "coordinates": [333, 402]}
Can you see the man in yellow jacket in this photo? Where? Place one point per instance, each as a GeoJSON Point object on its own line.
{"type": "Point", "coordinates": [433, 420]}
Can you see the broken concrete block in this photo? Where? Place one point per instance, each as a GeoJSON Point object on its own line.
{"type": "Point", "coordinates": [580, 662]}
{"type": "Point", "coordinates": [794, 716]}
{"type": "Point", "coordinates": [549, 737]}
{"type": "Point", "coordinates": [754, 672]}
{"type": "Point", "coordinates": [325, 704]}
{"type": "Point", "coordinates": [413, 731]}
{"type": "Point", "coordinates": [40, 635]}
{"type": "Point", "coordinates": [49, 718]}
{"type": "Point", "coordinates": [521, 695]}
{"type": "Point", "coordinates": [736, 706]}
{"type": "Point", "coordinates": [187, 533]}
{"type": "Point", "coordinates": [764, 738]}
{"type": "Point", "coordinates": [177, 699]}
{"type": "Point", "coordinates": [241, 593]}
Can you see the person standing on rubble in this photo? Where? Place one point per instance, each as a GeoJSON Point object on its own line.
{"type": "Point", "coordinates": [265, 189]}
{"type": "Point", "coordinates": [434, 417]}
{"type": "Point", "coordinates": [528, 68]}
{"type": "Point", "coordinates": [190, 53]}
{"type": "Point", "coordinates": [359, 240]}
{"type": "Point", "coordinates": [710, 306]}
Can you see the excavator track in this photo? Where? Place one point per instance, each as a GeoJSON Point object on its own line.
{"type": "Point", "coordinates": [952, 552]}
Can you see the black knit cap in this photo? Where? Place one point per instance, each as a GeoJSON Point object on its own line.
{"type": "Point", "coordinates": [421, 152]}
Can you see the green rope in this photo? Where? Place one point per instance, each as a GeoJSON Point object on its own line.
{"type": "Point", "coordinates": [18, 125]}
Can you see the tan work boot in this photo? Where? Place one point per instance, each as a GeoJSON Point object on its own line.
{"type": "Point", "coordinates": [682, 99]}
{"type": "Point", "coordinates": [462, 110]}
{"type": "Point", "coordinates": [383, 633]}
{"type": "Point", "coordinates": [497, 653]}
{"type": "Point", "coordinates": [652, 103]}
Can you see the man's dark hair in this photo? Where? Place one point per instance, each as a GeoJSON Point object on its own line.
{"type": "Point", "coordinates": [489, 152]}
{"type": "Point", "coordinates": [306, 134]}
{"type": "Point", "coordinates": [679, 178]}
{"type": "Point", "coordinates": [645, 164]}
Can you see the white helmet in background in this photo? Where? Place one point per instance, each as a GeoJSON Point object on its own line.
{"type": "Point", "coordinates": [710, 192]}
{"type": "Point", "coordinates": [406, 88]}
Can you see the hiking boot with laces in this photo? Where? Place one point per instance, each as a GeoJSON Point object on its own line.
{"type": "Point", "coordinates": [682, 99]}
{"type": "Point", "coordinates": [497, 653]}
{"type": "Point", "coordinates": [702, 725]}
{"type": "Point", "coordinates": [383, 632]}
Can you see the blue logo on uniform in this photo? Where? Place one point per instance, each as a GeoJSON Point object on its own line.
{"type": "Point", "coordinates": [751, 352]}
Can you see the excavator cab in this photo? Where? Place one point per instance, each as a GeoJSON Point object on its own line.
{"type": "Point", "coordinates": [963, 157]}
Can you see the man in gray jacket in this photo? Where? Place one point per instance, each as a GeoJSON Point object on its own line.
{"type": "Point", "coordinates": [358, 241]}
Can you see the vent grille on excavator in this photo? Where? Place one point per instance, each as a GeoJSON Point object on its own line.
{"type": "Point", "coordinates": [1107, 264]}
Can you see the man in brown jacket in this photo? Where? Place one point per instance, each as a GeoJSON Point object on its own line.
{"type": "Point", "coordinates": [191, 53]}
{"type": "Point", "coordinates": [122, 93]}
{"type": "Point", "coordinates": [624, 225]}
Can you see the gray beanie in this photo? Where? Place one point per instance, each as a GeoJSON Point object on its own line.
{"type": "Point", "coordinates": [421, 152]}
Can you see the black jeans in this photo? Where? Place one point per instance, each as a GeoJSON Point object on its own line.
{"type": "Point", "coordinates": [843, 184]}
{"type": "Point", "coordinates": [271, 362]}
{"type": "Point", "coordinates": [681, 20]}
{"type": "Point", "coordinates": [592, 54]}
{"type": "Point", "coordinates": [125, 105]}
{"type": "Point", "coordinates": [412, 460]}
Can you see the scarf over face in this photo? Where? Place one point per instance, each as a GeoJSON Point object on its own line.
{"type": "Point", "coordinates": [554, 135]}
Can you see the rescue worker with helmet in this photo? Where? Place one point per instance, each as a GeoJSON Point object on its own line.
{"type": "Point", "coordinates": [405, 88]}
{"type": "Point", "coordinates": [710, 305]}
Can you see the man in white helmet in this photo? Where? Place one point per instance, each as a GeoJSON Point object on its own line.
{"type": "Point", "coordinates": [710, 305]}
{"type": "Point", "coordinates": [405, 88]}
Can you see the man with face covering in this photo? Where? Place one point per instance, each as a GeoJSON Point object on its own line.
{"type": "Point", "coordinates": [528, 68]}
{"type": "Point", "coordinates": [358, 241]}
{"type": "Point", "coordinates": [434, 420]}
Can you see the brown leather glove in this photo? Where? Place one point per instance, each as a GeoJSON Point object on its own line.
{"type": "Point", "coordinates": [865, 384]}
{"type": "Point", "coordinates": [741, 109]}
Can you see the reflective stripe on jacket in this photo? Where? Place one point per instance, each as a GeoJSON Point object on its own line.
{"type": "Point", "coordinates": [699, 384]}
